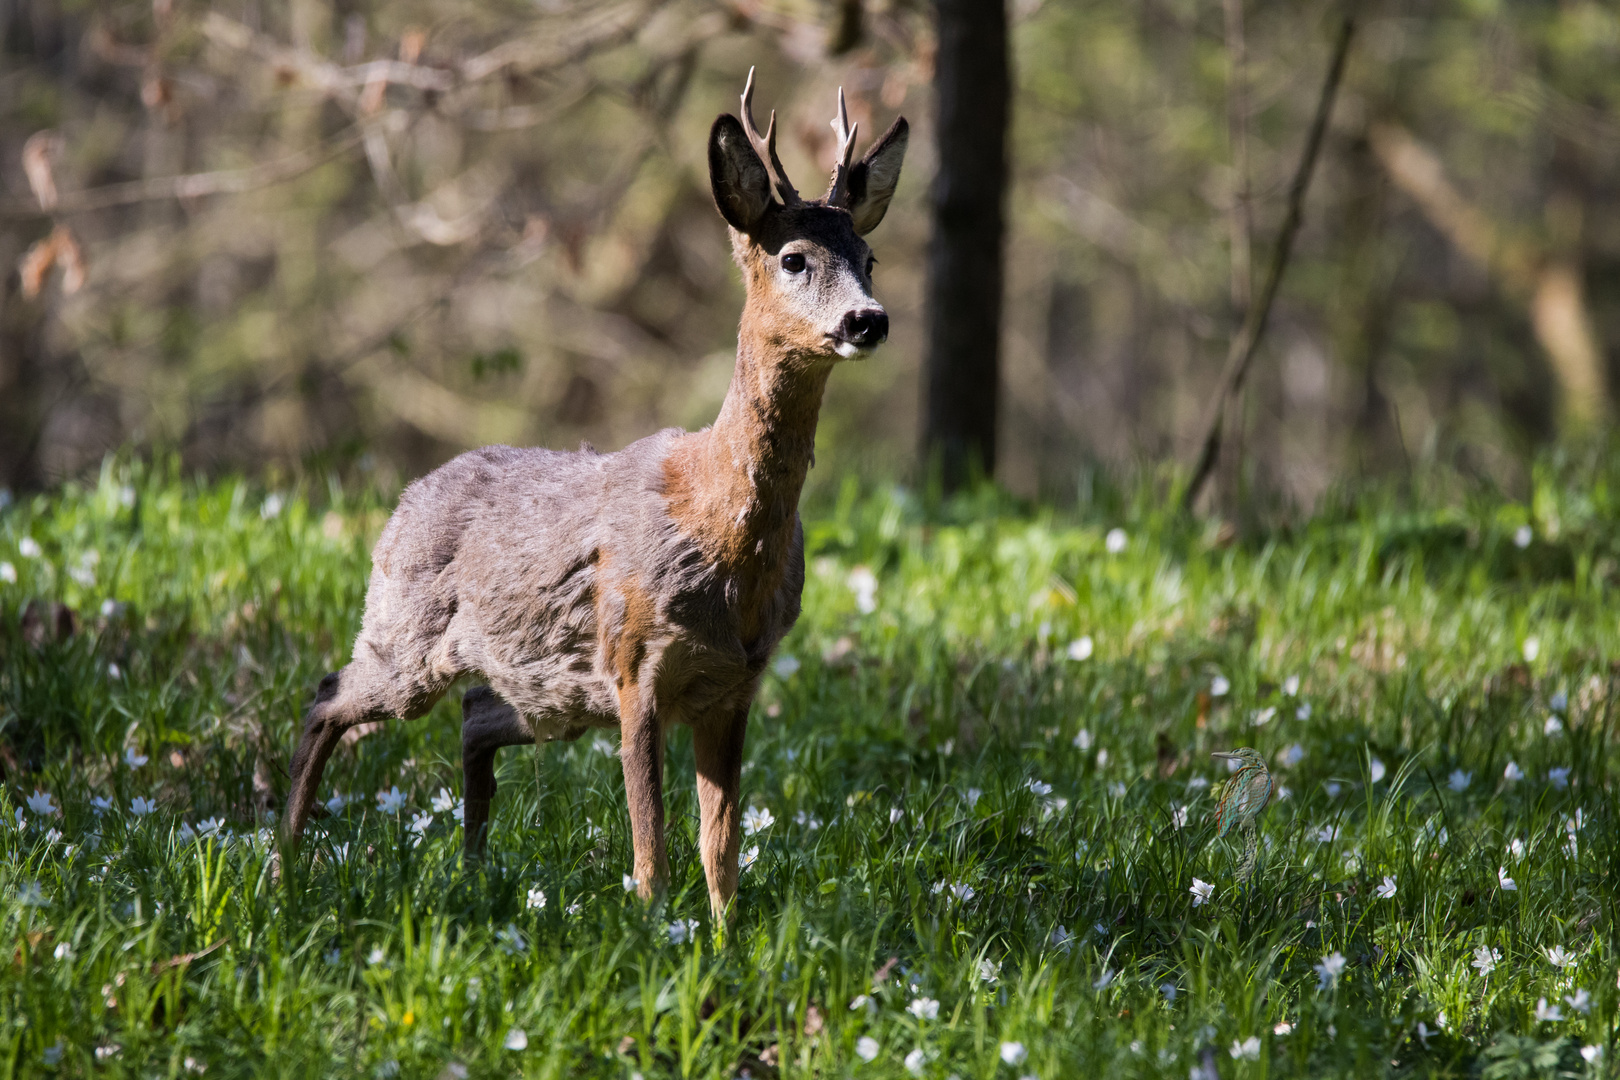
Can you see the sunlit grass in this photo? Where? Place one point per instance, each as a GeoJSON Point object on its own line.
{"type": "Point", "coordinates": [1002, 823]}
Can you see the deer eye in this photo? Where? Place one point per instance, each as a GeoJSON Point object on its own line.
{"type": "Point", "coordinates": [870, 263]}
{"type": "Point", "coordinates": [793, 262]}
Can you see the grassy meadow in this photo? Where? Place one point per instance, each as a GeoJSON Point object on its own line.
{"type": "Point", "coordinates": [980, 794]}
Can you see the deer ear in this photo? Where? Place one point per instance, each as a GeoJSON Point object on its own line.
{"type": "Point", "coordinates": [741, 186]}
{"type": "Point", "coordinates": [872, 181]}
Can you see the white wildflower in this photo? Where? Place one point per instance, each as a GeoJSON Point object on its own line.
{"type": "Point", "coordinates": [376, 956]}
{"type": "Point", "coordinates": [1178, 816]}
{"type": "Point", "coordinates": [334, 957]}
{"type": "Point", "coordinates": [1580, 1001]}
{"type": "Point", "coordinates": [631, 884]}
{"type": "Point", "coordinates": [683, 930]}
{"type": "Point", "coordinates": [63, 951]}
{"type": "Point", "coordinates": [1553, 727]}
{"type": "Point", "coordinates": [1559, 777]}
{"type": "Point", "coordinates": [511, 940]}
{"type": "Point", "coordinates": [1327, 834]}
{"type": "Point", "coordinates": [1333, 789]}
{"type": "Point", "coordinates": [1303, 712]}
{"type": "Point", "coordinates": [1168, 990]}
{"type": "Point", "coordinates": [1486, 959]}
{"type": "Point", "coordinates": [896, 815]}
{"type": "Point", "coordinates": [866, 1047]}
{"type": "Point", "coordinates": [1375, 770]}
{"type": "Point", "coordinates": [1038, 787]}
{"type": "Point", "coordinates": [1459, 780]}
{"type": "Point", "coordinates": [1264, 716]}
{"type": "Point", "coordinates": [757, 818]}
{"type": "Point", "coordinates": [108, 1052]}
{"type": "Point", "coordinates": [1561, 957]}
{"type": "Point", "coordinates": [915, 1061]}
{"type": "Point", "coordinates": [420, 823]}
{"type": "Point", "coordinates": [1201, 891]}
{"type": "Point", "coordinates": [133, 759]}
{"type": "Point", "coordinates": [924, 1008]}
{"type": "Point", "coordinates": [53, 1053]}
{"type": "Point", "coordinates": [1291, 756]}
{"type": "Point", "coordinates": [211, 826]}
{"type": "Point", "coordinates": [1104, 980]}
{"type": "Point", "coordinates": [1116, 541]}
{"type": "Point", "coordinates": [40, 803]}
{"type": "Point", "coordinates": [1291, 686]}
{"type": "Point", "coordinates": [1328, 971]}
{"type": "Point", "coordinates": [748, 858]}
{"type": "Point", "coordinates": [29, 894]}
{"type": "Point", "coordinates": [536, 899]}
{"type": "Point", "coordinates": [963, 892]}
{"type": "Point", "coordinates": [1523, 535]}
{"type": "Point", "coordinates": [603, 746]}
{"type": "Point", "coordinates": [141, 806]}
{"type": "Point", "coordinates": [1013, 1053]}
{"type": "Point", "coordinates": [29, 548]}
{"type": "Point", "coordinates": [1082, 739]}
{"type": "Point", "coordinates": [100, 805]}
{"type": "Point", "coordinates": [1081, 648]}
{"type": "Point", "coordinates": [337, 802]}
{"type": "Point", "coordinates": [1060, 939]}
{"type": "Point", "coordinates": [1515, 848]}
{"type": "Point", "coordinates": [989, 971]}
{"type": "Point", "coordinates": [1532, 649]}
{"type": "Point", "coordinates": [1547, 1013]}
{"type": "Point", "coordinates": [8, 573]}
{"type": "Point", "coordinates": [516, 1039]}
{"type": "Point", "coordinates": [1248, 1049]}
{"type": "Point", "coordinates": [391, 801]}
{"type": "Point", "coordinates": [1283, 1027]}
{"type": "Point", "coordinates": [1386, 891]}
{"type": "Point", "coordinates": [1219, 686]}
{"type": "Point", "coordinates": [1507, 884]}
{"type": "Point", "coordinates": [1116, 790]}
{"type": "Point", "coordinates": [786, 666]}
{"type": "Point", "coordinates": [863, 583]}
{"type": "Point", "coordinates": [1592, 1053]}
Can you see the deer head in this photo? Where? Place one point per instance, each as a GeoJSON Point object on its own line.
{"type": "Point", "coordinates": [807, 271]}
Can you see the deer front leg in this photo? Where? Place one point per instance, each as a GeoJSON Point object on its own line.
{"type": "Point", "coordinates": [487, 724]}
{"type": "Point", "coordinates": [641, 751]}
{"type": "Point", "coordinates": [718, 747]}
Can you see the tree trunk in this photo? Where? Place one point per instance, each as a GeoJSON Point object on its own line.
{"type": "Point", "coordinates": [960, 373]}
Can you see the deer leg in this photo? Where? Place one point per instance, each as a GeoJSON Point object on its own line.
{"type": "Point", "coordinates": [718, 747]}
{"type": "Point", "coordinates": [642, 754]}
{"type": "Point", "coordinates": [487, 724]}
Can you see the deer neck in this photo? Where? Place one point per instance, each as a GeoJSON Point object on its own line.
{"type": "Point", "coordinates": [735, 487]}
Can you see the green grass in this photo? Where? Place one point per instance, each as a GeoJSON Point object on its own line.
{"type": "Point", "coordinates": [905, 763]}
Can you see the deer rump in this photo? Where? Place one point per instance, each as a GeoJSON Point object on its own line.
{"type": "Point", "coordinates": [558, 577]}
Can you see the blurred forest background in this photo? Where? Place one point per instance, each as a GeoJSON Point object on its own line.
{"type": "Point", "coordinates": [361, 236]}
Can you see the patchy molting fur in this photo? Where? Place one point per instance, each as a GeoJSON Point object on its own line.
{"type": "Point", "coordinates": [635, 589]}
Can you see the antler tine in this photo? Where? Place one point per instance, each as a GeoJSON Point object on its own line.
{"type": "Point", "coordinates": [844, 133]}
{"type": "Point", "coordinates": [765, 146]}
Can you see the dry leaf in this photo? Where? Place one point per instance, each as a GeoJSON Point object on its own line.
{"type": "Point", "coordinates": [71, 257]}
{"type": "Point", "coordinates": [36, 264]}
{"type": "Point", "coordinates": [38, 152]}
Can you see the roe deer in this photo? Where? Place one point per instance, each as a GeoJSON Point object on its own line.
{"type": "Point", "coordinates": [641, 588]}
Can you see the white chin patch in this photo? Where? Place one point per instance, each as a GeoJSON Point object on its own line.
{"type": "Point", "coordinates": [847, 349]}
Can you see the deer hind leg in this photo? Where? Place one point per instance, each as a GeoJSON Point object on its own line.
{"type": "Point", "coordinates": [361, 693]}
{"type": "Point", "coordinates": [487, 724]}
{"type": "Point", "coordinates": [718, 747]}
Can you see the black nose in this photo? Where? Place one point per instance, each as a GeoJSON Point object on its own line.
{"type": "Point", "coordinates": [866, 327]}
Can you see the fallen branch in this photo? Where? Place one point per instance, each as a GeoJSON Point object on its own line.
{"type": "Point", "coordinates": [1247, 341]}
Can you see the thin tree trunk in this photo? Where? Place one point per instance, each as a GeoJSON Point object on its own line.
{"type": "Point", "coordinates": [1247, 340]}
{"type": "Point", "coordinates": [1237, 124]}
{"type": "Point", "coordinates": [961, 372]}
{"type": "Point", "coordinates": [1546, 282]}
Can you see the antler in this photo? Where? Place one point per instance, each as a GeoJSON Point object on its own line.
{"type": "Point", "coordinates": [765, 146]}
{"type": "Point", "coordinates": [844, 132]}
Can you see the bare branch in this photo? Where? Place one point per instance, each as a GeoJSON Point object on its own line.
{"type": "Point", "coordinates": [1247, 340]}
